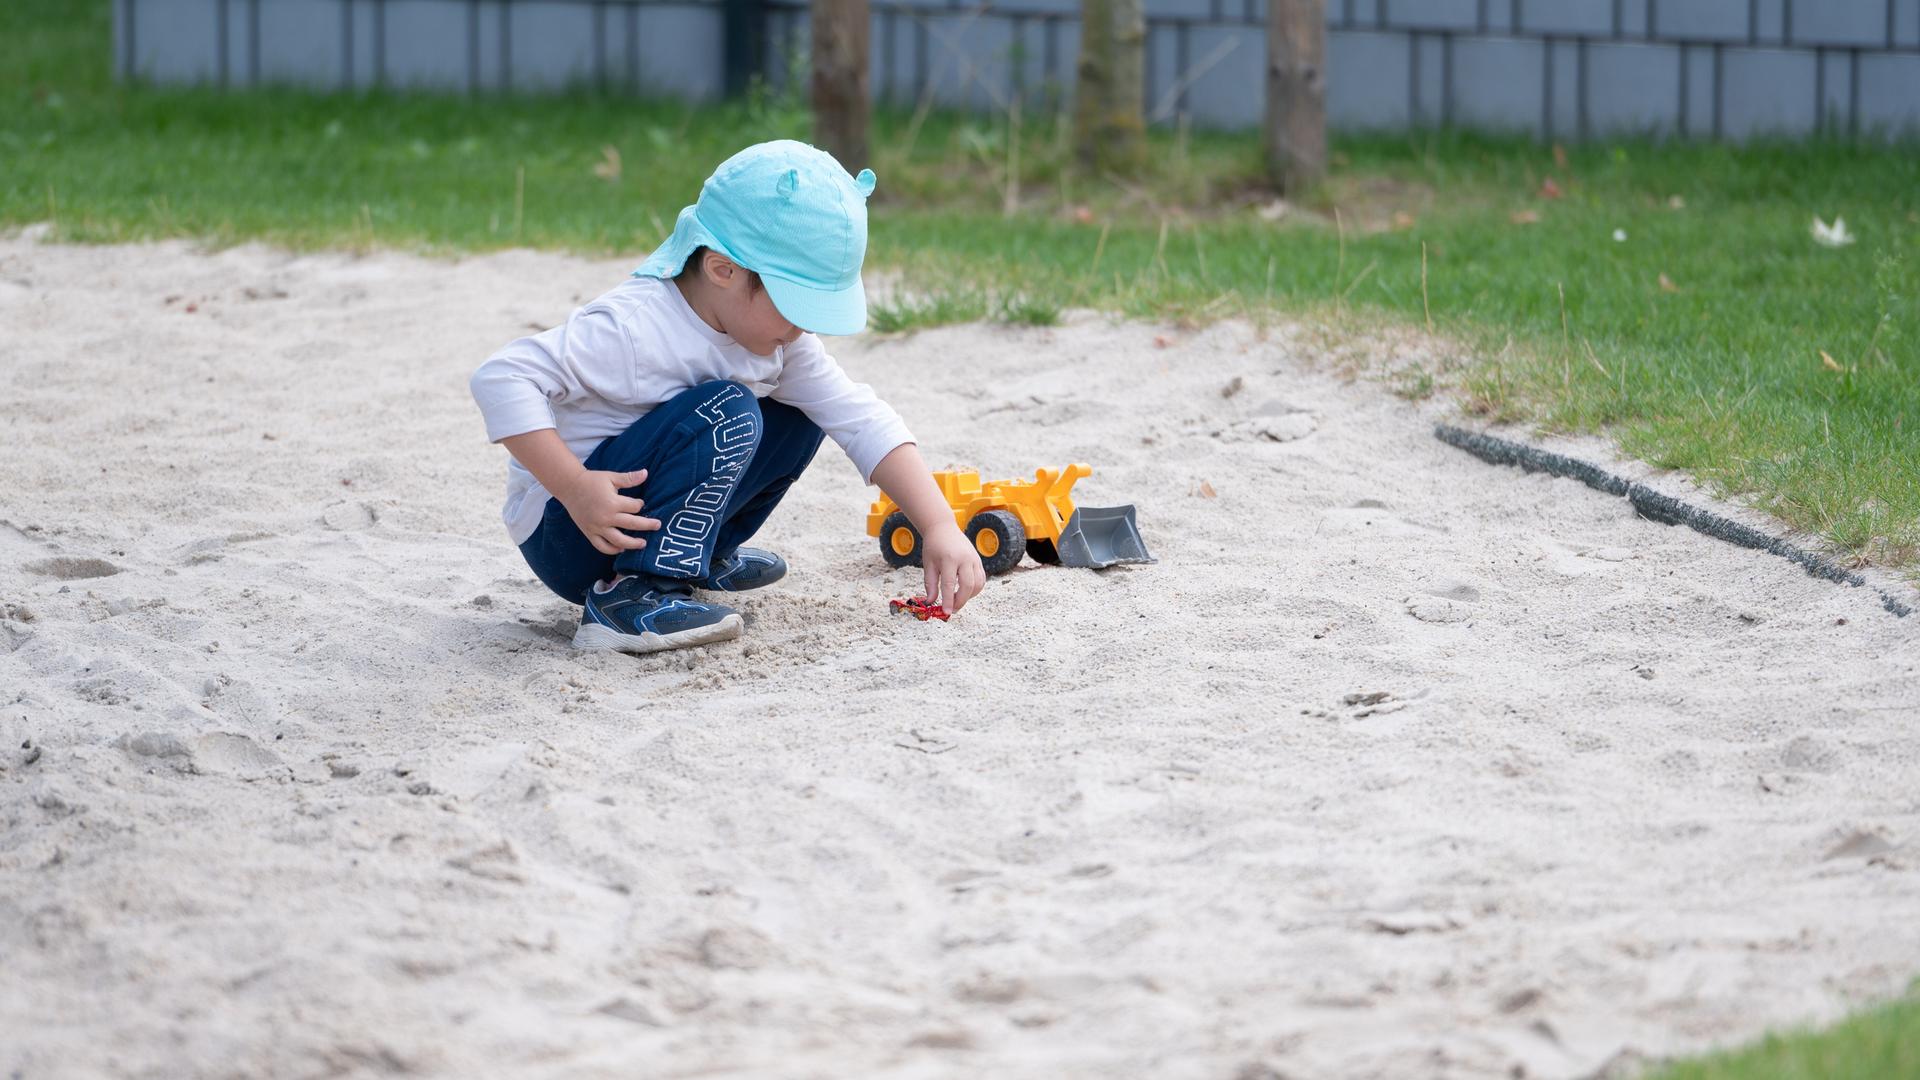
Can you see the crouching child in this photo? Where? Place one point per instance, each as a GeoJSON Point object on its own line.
{"type": "Point", "coordinates": [655, 430]}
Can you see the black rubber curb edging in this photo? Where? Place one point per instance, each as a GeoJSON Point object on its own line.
{"type": "Point", "coordinates": [1654, 506]}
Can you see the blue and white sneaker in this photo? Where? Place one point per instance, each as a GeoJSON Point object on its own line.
{"type": "Point", "coordinates": [644, 614]}
{"type": "Point", "coordinates": [742, 569]}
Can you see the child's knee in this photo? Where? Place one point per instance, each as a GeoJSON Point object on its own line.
{"type": "Point", "coordinates": [789, 426]}
{"type": "Point", "coordinates": [733, 416]}
{"type": "Point", "coordinates": [724, 401]}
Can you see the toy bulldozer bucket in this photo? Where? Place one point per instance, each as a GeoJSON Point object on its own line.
{"type": "Point", "coordinates": [1101, 536]}
{"type": "Point", "coordinates": [1093, 536]}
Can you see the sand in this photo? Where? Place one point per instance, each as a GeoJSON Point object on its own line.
{"type": "Point", "coordinates": [1396, 764]}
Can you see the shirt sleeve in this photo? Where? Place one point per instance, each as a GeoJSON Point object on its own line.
{"type": "Point", "coordinates": [850, 413]}
{"type": "Point", "coordinates": [588, 356]}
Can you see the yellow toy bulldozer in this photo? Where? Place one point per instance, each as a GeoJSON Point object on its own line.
{"type": "Point", "coordinates": [1006, 519]}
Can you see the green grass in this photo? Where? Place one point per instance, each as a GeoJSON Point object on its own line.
{"type": "Point", "coordinates": [1720, 373]}
{"type": "Point", "coordinates": [938, 308]}
{"type": "Point", "coordinates": [1878, 1044]}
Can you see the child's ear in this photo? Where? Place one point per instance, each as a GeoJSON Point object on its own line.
{"type": "Point", "coordinates": [720, 270]}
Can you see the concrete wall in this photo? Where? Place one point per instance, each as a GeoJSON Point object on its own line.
{"type": "Point", "coordinates": [653, 46]}
{"type": "Point", "coordinates": [1555, 68]}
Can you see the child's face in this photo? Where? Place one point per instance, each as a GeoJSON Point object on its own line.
{"type": "Point", "coordinates": [761, 325]}
{"type": "Point", "coordinates": [746, 312]}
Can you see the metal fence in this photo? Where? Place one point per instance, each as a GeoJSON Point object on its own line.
{"type": "Point", "coordinates": [1557, 68]}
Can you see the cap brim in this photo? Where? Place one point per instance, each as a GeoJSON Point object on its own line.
{"type": "Point", "coordinates": [820, 311]}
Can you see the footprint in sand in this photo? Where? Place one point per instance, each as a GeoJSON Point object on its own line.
{"type": "Point", "coordinates": [71, 568]}
{"type": "Point", "coordinates": [213, 548]}
{"type": "Point", "coordinates": [154, 744]}
{"type": "Point", "coordinates": [1860, 844]}
{"type": "Point", "coordinates": [1276, 421]}
{"type": "Point", "coordinates": [348, 517]}
{"type": "Point", "coordinates": [1374, 516]}
{"type": "Point", "coordinates": [1438, 609]}
{"type": "Point", "coordinates": [1809, 754]}
{"type": "Point", "coordinates": [235, 755]}
{"type": "Point", "coordinates": [1447, 600]}
{"type": "Point", "coordinates": [1452, 589]}
{"type": "Point", "coordinates": [1365, 703]}
{"type": "Point", "coordinates": [219, 752]}
{"type": "Point", "coordinates": [1581, 561]}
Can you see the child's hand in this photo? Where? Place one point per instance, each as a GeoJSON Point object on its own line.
{"type": "Point", "coordinates": [954, 573]}
{"type": "Point", "coordinates": [594, 502]}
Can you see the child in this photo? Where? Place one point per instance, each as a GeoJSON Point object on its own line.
{"type": "Point", "coordinates": [697, 391]}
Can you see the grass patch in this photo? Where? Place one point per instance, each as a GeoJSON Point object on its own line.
{"type": "Point", "coordinates": [1871, 1045]}
{"type": "Point", "coordinates": [1717, 337]}
{"type": "Point", "coordinates": [958, 304]}
{"type": "Point", "coordinates": [940, 308]}
{"type": "Point", "coordinates": [1024, 310]}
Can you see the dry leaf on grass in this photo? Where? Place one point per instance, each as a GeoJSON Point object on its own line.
{"type": "Point", "coordinates": [608, 168]}
{"type": "Point", "coordinates": [1827, 361]}
{"type": "Point", "coordinates": [1667, 285]}
{"type": "Point", "coordinates": [1524, 217]}
{"type": "Point", "coordinates": [1549, 189]}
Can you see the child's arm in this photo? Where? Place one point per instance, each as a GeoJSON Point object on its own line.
{"type": "Point", "coordinates": [592, 498]}
{"type": "Point", "coordinates": [883, 449]}
{"type": "Point", "coordinates": [588, 356]}
{"type": "Point", "coordinates": [953, 571]}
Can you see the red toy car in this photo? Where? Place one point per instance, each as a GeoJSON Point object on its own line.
{"type": "Point", "coordinates": [919, 608]}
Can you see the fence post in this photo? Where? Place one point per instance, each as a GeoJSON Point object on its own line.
{"type": "Point", "coordinates": [743, 43]}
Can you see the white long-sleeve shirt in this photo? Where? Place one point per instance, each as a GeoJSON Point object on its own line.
{"type": "Point", "coordinates": [633, 348]}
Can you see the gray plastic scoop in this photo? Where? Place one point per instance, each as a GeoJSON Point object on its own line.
{"type": "Point", "coordinates": [1099, 536]}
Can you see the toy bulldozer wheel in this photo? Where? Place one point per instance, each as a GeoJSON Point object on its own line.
{"type": "Point", "coordinates": [899, 540]}
{"type": "Point", "coordinates": [999, 538]}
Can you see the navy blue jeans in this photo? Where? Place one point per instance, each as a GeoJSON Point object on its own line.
{"type": "Point", "coordinates": [718, 461]}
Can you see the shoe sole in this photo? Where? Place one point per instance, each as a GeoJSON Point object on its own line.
{"type": "Point", "coordinates": [596, 636]}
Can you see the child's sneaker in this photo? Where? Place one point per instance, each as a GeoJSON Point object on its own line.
{"type": "Point", "coordinates": [643, 614]}
{"type": "Point", "coordinates": [742, 569]}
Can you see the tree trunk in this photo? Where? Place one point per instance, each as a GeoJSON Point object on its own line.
{"type": "Point", "coordinates": [1109, 98]}
{"type": "Point", "coordinates": [840, 103]}
{"type": "Point", "coordinates": [1296, 129]}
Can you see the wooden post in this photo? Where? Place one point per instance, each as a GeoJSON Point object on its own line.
{"type": "Point", "coordinates": [840, 103]}
{"type": "Point", "coordinates": [1109, 95]}
{"type": "Point", "coordinates": [1296, 124]}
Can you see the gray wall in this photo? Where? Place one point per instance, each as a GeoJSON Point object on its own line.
{"type": "Point", "coordinates": [1559, 68]}
{"type": "Point", "coordinates": [652, 46]}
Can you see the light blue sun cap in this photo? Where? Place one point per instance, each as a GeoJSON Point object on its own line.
{"type": "Point", "coordinates": [791, 214]}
